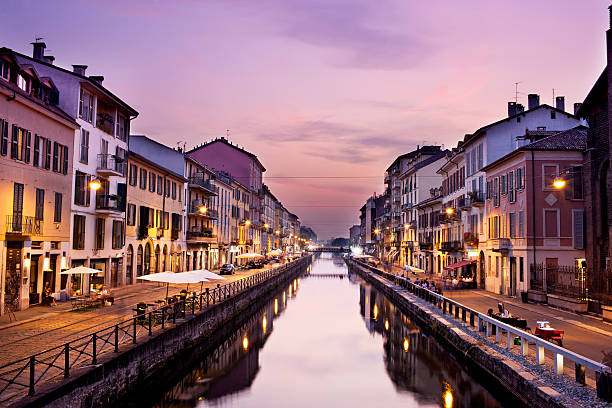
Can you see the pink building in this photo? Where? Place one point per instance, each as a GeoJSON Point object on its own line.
{"type": "Point", "coordinates": [245, 167]}
{"type": "Point", "coordinates": [535, 232]}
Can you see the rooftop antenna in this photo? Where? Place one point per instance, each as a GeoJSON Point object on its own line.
{"type": "Point", "coordinates": [516, 91]}
{"type": "Point", "coordinates": [553, 102]}
{"type": "Point", "coordinates": [37, 39]}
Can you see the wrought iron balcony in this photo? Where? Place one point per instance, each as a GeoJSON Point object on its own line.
{"type": "Point", "coordinates": [108, 203]}
{"type": "Point", "coordinates": [19, 224]}
{"type": "Point", "coordinates": [110, 165]}
{"type": "Point", "coordinates": [204, 235]}
{"type": "Point", "coordinates": [203, 185]}
{"type": "Point", "coordinates": [449, 246]}
{"type": "Point", "coordinates": [425, 245]}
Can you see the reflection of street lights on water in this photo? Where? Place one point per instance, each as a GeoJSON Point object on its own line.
{"type": "Point", "coordinates": [448, 399]}
{"type": "Point", "coordinates": [406, 345]}
{"type": "Point", "coordinates": [387, 324]}
{"type": "Point", "coordinates": [245, 342]}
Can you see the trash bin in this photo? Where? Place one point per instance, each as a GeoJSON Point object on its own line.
{"type": "Point", "coordinates": [524, 297]}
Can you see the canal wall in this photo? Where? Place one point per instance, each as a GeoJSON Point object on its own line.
{"type": "Point", "coordinates": [139, 365]}
{"type": "Point", "coordinates": [500, 370]}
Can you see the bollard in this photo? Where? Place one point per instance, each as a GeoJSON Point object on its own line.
{"type": "Point", "coordinates": [580, 374]}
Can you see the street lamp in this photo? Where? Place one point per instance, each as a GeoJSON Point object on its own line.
{"type": "Point", "coordinates": [277, 232]}
{"type": "Point", "coordinates": [559, 182]}
{"type": "Point", "coordinates": [450, 210]}
{"type": "Point", "coordinates": [266, 226]}
{"type": "Point", "coordinates": [247, 223]}
{"type": "Point", "coordinates": [376, 231]}
{"type": "Point", "coordinates": [202, 209]}
{"type": "Point", "coordinates": [95, 184]}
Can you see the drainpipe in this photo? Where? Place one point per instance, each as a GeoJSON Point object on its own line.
{"type": "Point", "coordinates": [533, 218]}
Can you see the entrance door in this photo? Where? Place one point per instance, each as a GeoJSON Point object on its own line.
{"type": "Point", "coordinates": [114, 272]}
{"type": "Point", "coordinates": [34, 294]}
{"type": "Point", "coordinates": [481, 268]}
{"type": "Point", "coordinates": [12, 281]}
{"type": "Point", "coordinates": [49, 276]}
{"type": "Point", "coordinates": [97, 280]}
{"type": "Point", "coordinates": [512, 285]}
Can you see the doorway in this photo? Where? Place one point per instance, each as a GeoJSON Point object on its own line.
{"type": "Point", "coordinates": [12, 280]}
{"type": "Point", "coordinates": [481, 268]}
{"type": "Point", "coordinates": [34, 293]}
{"type": "Point", "coordinates": [512, 283]}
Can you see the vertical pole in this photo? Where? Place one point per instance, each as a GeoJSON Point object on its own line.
{"type": "Point", "coordinates": [150, 324]}
{"type": "Point", "coordinates": [163, 317]}
{"type": "Point", "coordinates": [116, 338]}
{"type": "Point", "coordinates": [558, 363]}
{"type": "Point", "coordinates": [539, 354]}
{"type": "Point", "coordinates": [94, 353]}
{"type": "Point", "coordinates": [207, 297]}
{"type": "Point", "coordinates": [32, 374]}
{"type": "Point", "coordinates": [134, 332]}
{"type": "Point", "coordinates": [580, 374]}
{"type": "Point", "coordinates": [524, 347]}
{"type": "Point", "coordinates": [66, 360]}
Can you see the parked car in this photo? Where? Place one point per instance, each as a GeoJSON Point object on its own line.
{"type": "Point", "coordinates": [227, 269]}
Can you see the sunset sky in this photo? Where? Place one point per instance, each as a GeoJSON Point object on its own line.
{"type": "Point", "coordinates": [325, 88]}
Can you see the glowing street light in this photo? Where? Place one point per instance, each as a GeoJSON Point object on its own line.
{"type": "Point", "coordinates": [247, 223]}
{"type": "Point", "coordinates": [377, 231]}
{"type": "Point", "coordinates": [277, 232]}
{"type": "Point", "coordinates": [202, 209]}
{"type": "Point", "coordinates": [450, 210]}
{"type": "Point", "coordinates": [95, 184]}
{"type": "Point", "coordinates": [559, 183]}
{"type": "Point", "coordinates": [245, 342]}
{"type": "Point", "coordinates": [266, 225]}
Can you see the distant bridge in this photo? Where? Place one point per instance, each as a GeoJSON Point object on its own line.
{"type": "Point", "coordinates": [328, 275]}
{"type": "Point", "coordinates": [330, 249]}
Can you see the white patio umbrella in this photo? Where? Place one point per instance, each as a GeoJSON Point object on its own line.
{"type": "Point", "coordinates": [275, 252]}
{"type": "Point", "coordinates": [413, 269]}
{"type": "Point", "coordinates": [80, 270]}
{"type": "Point", "coordinates": [362, 256]}
{"type": "Point", "coordinates": [206, 274]}
{"type": "Point", "coordinates": [171, 277]}
{"type": "Point", "coordinates": [249, 255]}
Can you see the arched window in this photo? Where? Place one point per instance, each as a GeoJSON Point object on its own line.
{"type": "Point", "coordinates": [147, 259]}
{"type": "Point", "coordinates": [157, 254]}
{"type": "Point", "coordinates": [129, 265]}
{"type": "Point", "coordinates": [139, 261]}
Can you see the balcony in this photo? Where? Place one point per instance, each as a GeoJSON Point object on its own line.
{"type": "Point", "coordinates": [426, 245]}
{"type": "Point", "coordinates": [408, 244]}
{"type": "Point", "coordinates": [407, 207]}
{"type": "Point", "coordinates": [470, 238]}
{"type": "Point", "coordinates": [464, 203]}
{"type": "Point", "coordinates": [199, 183]}
{"type": "Point", "coordinates": [197, 209]}
{"type": "Point", "coordinates": [476, 199]}
{"type": "Point", "coordinates": [19, 224]}
{"type": "Point", "coordinates": [499, 244]}
{"type": "Point", "coordinates": [451, 246]}
{"type": "Point", "coordinates": [201, 236]}
{"type": "Point", "coordinates": [108, 203]}
{"type": "Point", "coordinates": [110, 165]}
{"type": "Point", "coordinates": [397, 185]}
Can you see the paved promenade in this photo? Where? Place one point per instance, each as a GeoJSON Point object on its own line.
{"type": "Point", "coordinates": [42, 327]}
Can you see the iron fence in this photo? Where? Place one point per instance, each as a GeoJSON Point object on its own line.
{"type": "Point", "coordinates": [561, 280]}
{"type": "Point", "coordinates": [58, 362]}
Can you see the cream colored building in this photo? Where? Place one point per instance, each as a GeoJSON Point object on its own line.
{"type": "Point", "coordinates": [222, 204]}
{"type": "Point", "coordinates": [241, 225]}
{"type": "Point", "coordinates": [36, 139]}
{"type": "Point", "coordinates": [155, 232]}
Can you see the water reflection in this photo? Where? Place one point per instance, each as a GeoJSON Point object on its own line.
{"type": "Point", "coordinates": [314, 346]}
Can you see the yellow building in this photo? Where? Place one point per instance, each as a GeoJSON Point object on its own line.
{"type": "Point", "coordinates": [241, 224]}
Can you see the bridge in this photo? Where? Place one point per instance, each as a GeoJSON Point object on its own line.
{"type": "Point", "coordinates": [330, 249]}
{"type": "Point", "coordinates": [328, 275]}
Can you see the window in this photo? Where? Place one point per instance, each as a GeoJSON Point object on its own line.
{"type": "Point", "coordinates": [105, 118]}
{"type": "Point", "coordinates": [84, 152]}
{"type": "Point", "coordinates": [64, 159]}
{"type": "Point", "coordinates": [143, 179]}
{"type": "Point", "coordinates": [503, 186]}
{"type": "Point", "coordinates": [512, 225]}
{"type": "Point", "coordinates": [57, 210]}
{"type": "Point", "coordinates": [117, 234]}
{"type": "Point", "coordinates": [100, 229]}
{"type": "Point", "coordinates": [520, 178]}
{"type": "Point", "coordinates": [47, 154]}
{"type": "Point", "coordinates": [20, 144]}
{"type": "Point", "coordinates": [480, 156]}
{"type": "Point", "coordinates": [55, 157]}
{"type": "Point", "coordinates": [575, 184]}
{"type": "Point", "coordinates": [160, 185]}
{"type": "Point", "coordinates": [37, 160]}
{"type": "Point", "coordinates": [578, 228]}
{"type": "Point", "coordinates": [551, 226]}
{"type": "Point", "coordinates": [122, 127]}
{"type": "Point", "coordinates": [131, 214]}
{"type": "Point", "coordinates": [496, 192]}
{"type": "Point", "coordinates": [78, 233]}
{"type": "Point", "coordinates": [81, 189]}
{"type": "Point", "coordinates": [497, 266]}
{"type": "Point", "coordinates": [173, 190]}
{"type": "Point", "coordinates": [86, 106]}
{"type": "Point", "coordinates": [553, 115]}
{"type": "Point", "coordinates": [133, 175]}
{"type": "Point", "coordinates": [40, 204]}
{"type": "Point", "coordinates": [521, 270]}
{"type": "Point", "coordinates": [4, 137]}
{"type": "Point", "coordinates": [549, 173]}
{"type": "Point", "coordinates": [4, 70]}
{"type": "Point", "coordinates": [167, 188]}
{"type": "Point", "coordinates": [152, 182]}
{"type": "Point", "coordinates": [468, 163]}
{"type": "Point", "coordinates": [521, 224]}
{"type": "Point", "coordinates": [511, 191]}
{"type": "Point", "coordinates": [23, 83]}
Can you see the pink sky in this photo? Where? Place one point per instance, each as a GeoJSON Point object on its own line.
{"type": "Point", "coordinates": [323, 87]}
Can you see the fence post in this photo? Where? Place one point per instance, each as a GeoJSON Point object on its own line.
{"type": "Point", "coordinates": [94, 361]}
{"type": "Point", "coordinates": [116, 338]}
{"type": "Point", "coordinates": [150, 324]}
{"type": "Point", "coordinates": [163, 317]}
{"type": "Point", "coordinates": [134, 330]}
{"type": "Point", "coordinates": [207, 297]}
{"type": "Point", "coordinates": [32, 374]}
{"type": "Point", "coordinates": [193, 305]}
{"type": "Point", "coordinates": [66, 360]}
{"type": "Point", "coordinates": [580, 374]}
{"type": "Point", "coordinates": [200, 302]}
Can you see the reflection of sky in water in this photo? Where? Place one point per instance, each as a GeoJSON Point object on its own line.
{"type": "Point", "coordinates": [321, 352]}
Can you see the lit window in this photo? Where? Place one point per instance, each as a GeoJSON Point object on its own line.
{"type": "Point", "coordinates": [22, 83]}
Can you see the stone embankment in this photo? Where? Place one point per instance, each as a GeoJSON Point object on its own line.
{"type": "Point", "coordinates": [116, 374]}
{"type": "Point", "coordinates": [530, 382]}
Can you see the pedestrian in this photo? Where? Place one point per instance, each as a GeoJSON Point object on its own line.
{"type": "Point", "coordinates": [48, 299]}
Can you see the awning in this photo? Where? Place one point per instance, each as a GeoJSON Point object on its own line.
{"type": "Point", "coordinates": [459, 265]}
{"type": "Point", "coordinates": [392, 254]}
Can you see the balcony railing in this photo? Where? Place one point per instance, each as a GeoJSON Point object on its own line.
{"type": "Point", "coordinates": [110, 165]}
{"type": "Point", "coordinates": [406, 207]}
{"type": "Point", "coordinates": [500, 244]}
{"type": "Point", "coordinates": [194, 209]}
{"type": "Point", "coordinates": [19, 224]}
{"type": "Point", "coordinates": [464, 203]}
{"type": "Point", "coordinates": [476, 198]}
{"type": "Point", "coordinates": [108, 202]}
{"type": "Point", "coordinates": [199, 182]}
{"type": "Point", "coordinates": [451, 246]}
{"type": "Point", "coordinates": [425, 245]}
{"type": "Point", "coordinates": [470, 238]}
{"type": "Point", "coordinates": [201, 234]}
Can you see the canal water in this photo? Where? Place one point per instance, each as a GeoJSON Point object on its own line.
{"type": "Point", "coordinates": [327, 340]}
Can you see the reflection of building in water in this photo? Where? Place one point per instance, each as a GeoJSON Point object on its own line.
{"type": "Point", "coordinates": [415, 362]}
{"type": "Point", "coordinates": [232, 366]}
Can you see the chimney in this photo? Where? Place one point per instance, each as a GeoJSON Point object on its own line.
{"type": "Point", "coordinates": [560, 103]}
{"type": "Point", "coordinates": [577, 107]}
{"type": "Point", "coordinates": [97, 78]}
{"type": "Point", "coordinates": [520, 108]}
{"type": "Point", "coordinates": [533, 101]}
{"type": "Point", "coordinates": [38, 50]}
{"type": "Point", "coordinates": [511, 109]}
{"type": "Point", "coordinates": [79, 69]}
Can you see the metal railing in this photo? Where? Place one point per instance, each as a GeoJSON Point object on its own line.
{"type": "Point", "coordinates": [200, 182]}
{"type": "Point", "coordinates": [108, 202]}
{"type": "Point", "coordinates": [19, 224]}
{"type": "Point", "coordinates": [111, 162]}
{"type": "Point", "coordinates": [60, 361]}
{"type": "Point", "coordinates": [493, 327]}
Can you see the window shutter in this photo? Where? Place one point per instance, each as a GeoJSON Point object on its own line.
{"type": "Point", "coordinates": [55, 157]}
{"type": "Point", "coordinates": [579, 229]}
{"type": "Point", "coordinates": [36, 159]}
{"type": "Point", "coordinates": [47, 154]}
{"type": "Point", "coordinates": [4, 142]}
{"type": "Point", "coordinates": [14, 142]}
{"type": "Point", "coordinates": [27, 144]}
{"type": "Point", "coordinates": [65, 160]}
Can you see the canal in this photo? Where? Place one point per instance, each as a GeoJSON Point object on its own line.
{"type": "Point", "coordinates": [327, 340]}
